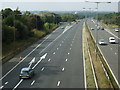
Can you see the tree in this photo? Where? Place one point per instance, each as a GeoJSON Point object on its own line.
{"type": "Point", "coordinates": [9, 20]}
{"type": "Point", "coordinates": [8, 34]}
{"type": "Point", "coordinates": [6, 12]}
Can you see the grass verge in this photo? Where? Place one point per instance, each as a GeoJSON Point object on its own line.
{"type": "Point", "coordinates": [89, 75]}
{"type": "Point", "coordinates": [99, 71]}
{"type": "Point", "coordinates": [9, 51]}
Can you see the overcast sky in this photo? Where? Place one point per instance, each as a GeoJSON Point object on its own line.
{"type": "Point", "coordinates": [58, 5]}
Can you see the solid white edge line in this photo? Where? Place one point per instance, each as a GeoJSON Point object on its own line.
{"type": "Point", "coordinates": [93, 70]}
{"type": "Point", "coordinates": [112, 34]}
{"type": "Point", "coordinates": [18, 84]}
{"type": "Point", "coordinates": [110, 68]}
{"type": "Point", "coordinates": [84, 58]}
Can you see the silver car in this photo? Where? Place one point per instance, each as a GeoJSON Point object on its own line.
{"type": "Point", "coordinates": [26, 73]}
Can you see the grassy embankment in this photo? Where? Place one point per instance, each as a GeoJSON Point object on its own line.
{"type": "Point", "coordinates": [109, 26]}
{"type": "Point", "coordinates": [12, 49]}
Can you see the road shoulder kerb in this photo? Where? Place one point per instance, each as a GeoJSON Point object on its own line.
{"type": "Point", "coordinates": [93, 69]}
{"type": "Point", "coordinates": [84, 56]}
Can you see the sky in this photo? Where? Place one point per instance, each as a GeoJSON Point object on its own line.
{"type": "Point", "coordinates": [58, 5]}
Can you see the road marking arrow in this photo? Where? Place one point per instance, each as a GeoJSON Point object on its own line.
{"type": "Point", "coordinates": [43, 57]}
{"type": "Point", "coordinates": [32, 61]}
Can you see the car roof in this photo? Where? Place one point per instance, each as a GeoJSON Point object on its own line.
{"type": "Point", "coordinates": [25, 69]}
{"type": "Point", "coordinates": [111, 37]}
{"type": "Point", "coordinates": [101, 40]}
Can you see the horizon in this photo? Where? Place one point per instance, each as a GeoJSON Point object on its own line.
{"type": "Point", "coordinates": [59, 6]}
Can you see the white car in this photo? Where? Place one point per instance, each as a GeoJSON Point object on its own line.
{"type": "Point", "coordinates": [116, 30]}
{"type": "Point", "coordinates": [102, 42]}
{"type": "Point", "coordinates": [62, 27]}
{"type": "Point", "coordinates": [92, 28]}
{"type": "Point", "coordinates": [111, 40]}
{"type": "Point", "coordinates": [98, 27]}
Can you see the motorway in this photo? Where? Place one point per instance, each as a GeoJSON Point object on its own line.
{"type": "Point", "coordinates": [110, 51]}
{"type": "Point", "coordinates": [58, 61]}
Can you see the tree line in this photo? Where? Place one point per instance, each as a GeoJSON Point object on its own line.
{"type": "Point", "coordinates": [21, 26]}
{"type": "Point", "coordinates": [111, 18]}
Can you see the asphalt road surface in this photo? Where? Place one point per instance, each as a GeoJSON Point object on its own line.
{"type": "Point", "coordinates": [109, 51]}
{"type": "Point", "coordinates": [58, 61]}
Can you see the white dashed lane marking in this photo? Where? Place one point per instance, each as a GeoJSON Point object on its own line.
{"type": "Point", "coordinates": [58, 83]}
{"type": "Point", "coordinates": [42, 69]}
{"type": "Point", "coordinates": [6, 83]}
{"type": "Point", "coordinates": [66, 60]}
{"type": "Point", "coordinates": [63, 69]}
{"type": "Point", "coordinates": [54, 53]}
{"type": "Point", "coordinates": [115, 53]}
{"type": "Point", "coordinates": [33, 82]}
{"type": "Point", "coordinates": [49, 59]}
{"type": "Point", "coordinates": [1, 87]}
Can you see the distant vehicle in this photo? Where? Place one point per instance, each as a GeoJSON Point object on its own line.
{"type": "Point", "coordinates": [102, 28]}
{"type": "Point", "coordinates": [102, 42]}
{"type": "Point", "coordinates": [62, 27]}
{"type": "Point", "coordinates": [26, 73]}
{"type": "Point", "coordinates": [92, 28]}
{"type": "Point", "coordinates": [98, 27]}
{"type": "Point", "coordinates": [116, 30]}
{"type": "Point", "coordinates": [111, 40]}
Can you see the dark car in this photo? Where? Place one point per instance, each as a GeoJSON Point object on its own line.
{"type": "Point", "coordinates": [102, 28]}
{"type": "Point", "coordinates": [26, 73]}
{"type": "Point", "coordinates": [92, 28]}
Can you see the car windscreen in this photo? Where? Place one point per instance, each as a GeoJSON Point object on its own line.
{"type": "Point", "coordinates": [112, 39]}
{"type": "Point", "coordinates": [25, 72]}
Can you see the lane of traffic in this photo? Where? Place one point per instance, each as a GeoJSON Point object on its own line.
{"type": "Point", "coordinates": [110, 54]}
{"type": "Point", "coordinates": [55, 67]}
